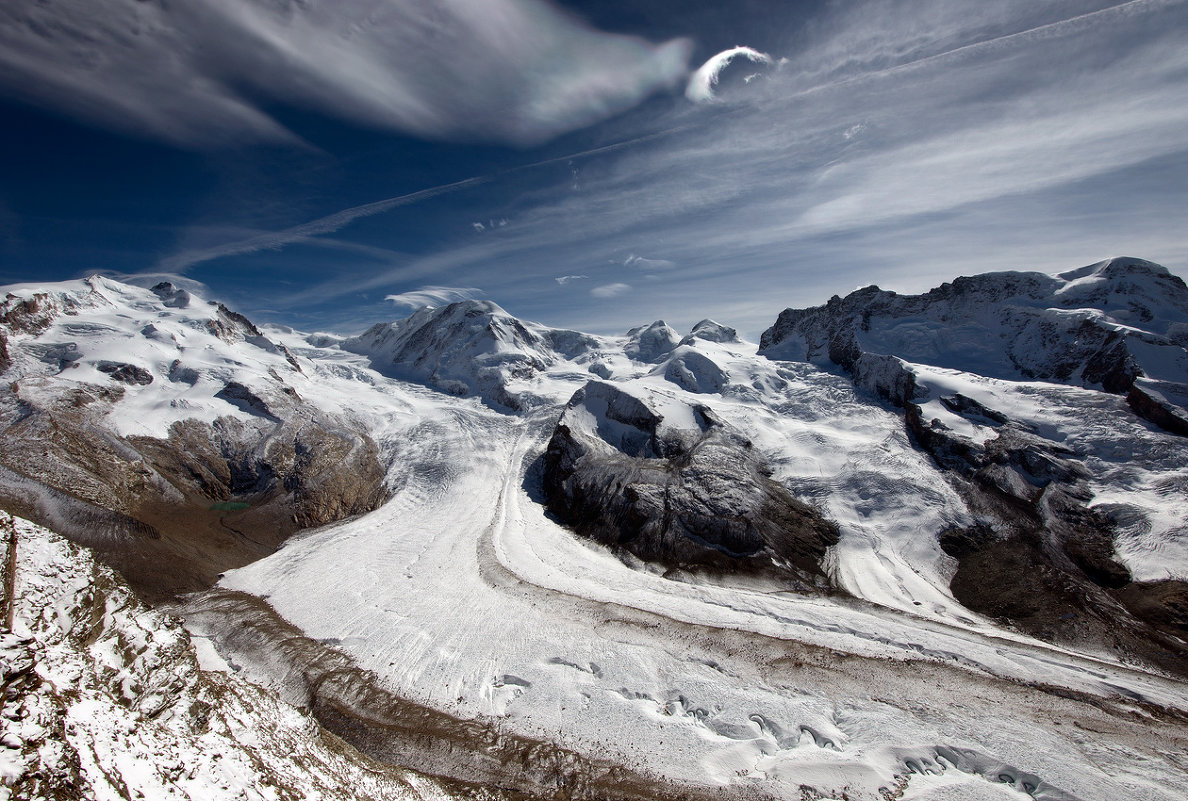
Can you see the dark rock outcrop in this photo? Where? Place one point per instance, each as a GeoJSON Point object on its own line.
{"type": "Point", "coordinates": [1150, 401]}
{"type": "Point", "coordinates": [1046, 562]}
{"type": "Point", "coordinates": [125, 373]}
{"type": "Point", "coordinates": [685, 498]}
{"type": "Point", "coordinates": [231, 326]}
{"type": "Point", "coordinates": [171, 296]}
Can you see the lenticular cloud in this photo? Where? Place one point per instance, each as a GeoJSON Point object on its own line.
{"type": "Point", "coordinates": [434, 296]}
{"type": "Point", "coordinates": [701, 84]}
{"type": "Point", "coordinates": [203, 74]}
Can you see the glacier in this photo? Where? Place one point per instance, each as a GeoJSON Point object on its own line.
{"type": "Point", "coordinates": [986, 433]}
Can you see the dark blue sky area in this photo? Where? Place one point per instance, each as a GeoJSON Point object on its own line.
{"type": "Point", "coordinates": [302, 160]}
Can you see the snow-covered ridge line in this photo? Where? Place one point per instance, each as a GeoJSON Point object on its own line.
{"type": "Point", "coordinates": [1102, 326]}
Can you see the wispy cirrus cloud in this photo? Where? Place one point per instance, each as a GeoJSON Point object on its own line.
{"type": "Point", "coordinates": [905, 149]}
{"type": "Point", "coordinates": [307, 232]}
{"type": "Point", "coordinates": [641, 263]}
{"type": "Point", "coordinates": [204, 74]}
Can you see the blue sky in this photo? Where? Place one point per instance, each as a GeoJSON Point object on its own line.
{"type": "Point", "coordinates": [329, 164]}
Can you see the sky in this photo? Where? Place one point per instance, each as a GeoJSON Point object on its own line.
{"type": "Point", "coordinates": [591, 164]}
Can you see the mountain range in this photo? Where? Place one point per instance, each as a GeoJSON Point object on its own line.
{"type": "Point", "coordinates": [907, 546]}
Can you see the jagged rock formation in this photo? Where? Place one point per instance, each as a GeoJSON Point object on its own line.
{"type": "Point", "coordinates": [682, 495]}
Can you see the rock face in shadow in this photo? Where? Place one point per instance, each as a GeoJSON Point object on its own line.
{"type": "Point", "coordinates": [1044, 558]}
{"type": "Point", "coordinates": [686, 493]}
{"type": "Point", "coordinates": [158, 499]}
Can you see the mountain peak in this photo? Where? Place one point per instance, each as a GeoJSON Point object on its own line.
{"type": "Point", "coordinates": [464, 348]}
{"type": "Point", "coordinates": [651, 343]}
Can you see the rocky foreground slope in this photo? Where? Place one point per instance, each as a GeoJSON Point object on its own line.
{"type": "Point", "coordinates": [914, 547]}
{"type": "Point", "coordinates": [104, 699]}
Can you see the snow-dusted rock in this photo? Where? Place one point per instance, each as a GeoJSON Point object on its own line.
{"type": "Point", "coordinates": [104, 699]}
{"type": "Point", "coordinates": [1105, 327]}
{"type": "Point", "coordinates": [146, 408]}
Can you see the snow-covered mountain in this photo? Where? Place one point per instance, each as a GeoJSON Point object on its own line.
{"type": "Point", "coordinates": [908, 547]}
{"type": "Point", "coordinates": [131, 414]}
{"type": "Point", "coordinates": [1119, 325]}
{"type": "Point", "coordinates": [472, 347]}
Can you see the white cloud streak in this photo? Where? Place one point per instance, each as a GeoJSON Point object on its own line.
{"type": "Point", "coordinates": [201, 74]}
{"type": "Point", "coordinates": [610, 290]}
{"type": "Point", "coordinates": [308, 231]}
{"type": "Point", "coordinates": [434, 296]}
{"type": "Point", "coordinates": [982, 136]}
{"type": "Point", "coordinates": [995, 127]}
{"type": "Point", "coordinates": [641, 263]}
{"type": "Point", "coordinates": [569, 279]}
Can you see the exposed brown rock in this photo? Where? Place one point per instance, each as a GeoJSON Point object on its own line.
{"type": "Point", "coordinates": [687, 500]}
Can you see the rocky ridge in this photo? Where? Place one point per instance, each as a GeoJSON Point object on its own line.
{"type": "Point", "coordinates": [1120, 325]}
{"type": "Point", "coordinates": [687, 495]}
{"type": "Point", "coordinates": [185, 435]}
{"type": "Point", "coordinates": [1041, 554]}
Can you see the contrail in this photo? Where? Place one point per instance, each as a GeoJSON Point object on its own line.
{"type": "Point", "coordinates": [1049, 28]}
{"type": "Point", "coordinates": [275, 240]}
